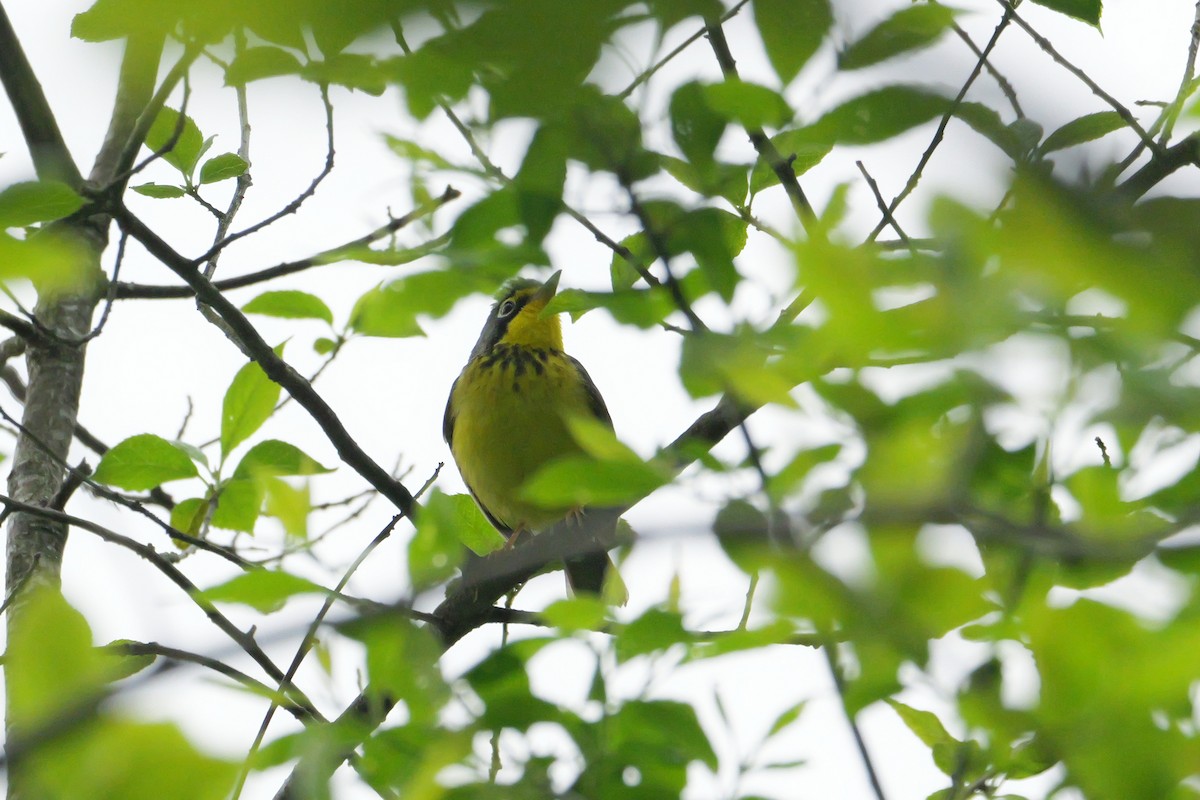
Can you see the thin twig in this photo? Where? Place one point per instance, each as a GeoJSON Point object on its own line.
{"type": "Point", "coordinates": [278, 370]}
{"type": "Point", "coordinates": [1049, 49]}
{"type": "Point", "coordinates": [129, 648]}
{"type": "Point", "coordinates": [781, 166]}
{"type": "Point", "coordinates": [128, 291]}
{"type": "Point", "coordinates": [882, 204]}
{"type": "Point", "coordinates": [863, 753]}
{"type": "Point", "coordinates": [244, 640]}
{"type": "Point", "coordinates": [940, 133]}
{"type": "Point", "coordinates": [306, 643]}
{"type": "Point", "coordinates": [294, 206]}
{"type": "Point", "coordinates": [684, 45]}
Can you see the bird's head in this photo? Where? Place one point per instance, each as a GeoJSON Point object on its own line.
{"type": "Point", "coordinates": [517, 319]}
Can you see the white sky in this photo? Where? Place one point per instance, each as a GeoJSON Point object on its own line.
{"type": "Point", "coordinates": [154, 355]}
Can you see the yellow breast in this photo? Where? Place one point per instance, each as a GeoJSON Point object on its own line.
{"type": "Point", "coordinates": [509, 410]}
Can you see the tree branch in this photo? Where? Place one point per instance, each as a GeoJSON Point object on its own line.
{"type": "Point", "coordinates": [130, 291]}
{"type": "Point", "coordinates": [275, 367]}
{"type": "Point", "coordinates": [47, 148]}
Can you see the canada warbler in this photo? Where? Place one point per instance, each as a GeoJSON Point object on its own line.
{"type": "Point", "coordinates": [507, 415]}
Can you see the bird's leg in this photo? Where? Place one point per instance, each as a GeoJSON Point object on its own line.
{"type": "Point", "coordinates": [511, 541]}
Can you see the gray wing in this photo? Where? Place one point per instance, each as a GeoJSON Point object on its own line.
{"type": "Point", "coordinates": [595, 401]}
{"type": "Point", "coordinates": [448, 417]}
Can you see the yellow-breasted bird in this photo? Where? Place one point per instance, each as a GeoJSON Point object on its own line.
{"type": "Point", "coordinates": [507, 415]}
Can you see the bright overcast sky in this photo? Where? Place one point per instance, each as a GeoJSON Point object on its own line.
{"type": "Point", "coordinates": [154, 355]}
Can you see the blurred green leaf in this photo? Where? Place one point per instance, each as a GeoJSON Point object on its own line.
{"type": "Point", "coordinates": [143, 462]}
{"type": "Point", "coordinates": [904, 31]}
{"type": "Point", "coordinates": [1087, 128]}
{"type": "Point", "coordinates": [696, 127]}
{"type": "Point", "coordinates": [582, 613]}
{"type": "Point", "coordinates": [289, 304]}
{"type": "Point", "coordinates": [290, 505]}
{"type": "Point", "coordinates": [256, 63]}
{"type": "Point", "coordinates": [925, 724]}
{"type": "Point", "coordinates": [402, 663]}
{"type": "Point", "coordinates": [654, 631]}
{"type": "Point", "coordinates": [188, 515]}
{"type": "Point", "coordinates": [644, 308]}
{"type": "Point", "coordinates": [748, 104]}
{"type": "Point", "coordinates": [264, 590]}
{"type": "Point", "coordinates": [539, 182]}
{"type": "Point", "coordinates": [392, 309]}
{"type": "Point", "coordinates": [447, 523]}
{"type": "Point", "coordinates": [578, 481]}
{"type": "Point", "coordinates": [502, 683]}
{"type": "Point", "coordinates": [31, 202]}
{"type": "Point", "coordinates": [111, 758]}
{"type": "Point", "coordinates": [791, 31]}
{"type": "Point", "coordinates": [1108, 732]}
{"type": "Point", "coordinates": [51, 667]}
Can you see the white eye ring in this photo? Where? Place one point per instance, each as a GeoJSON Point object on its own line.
{"type": "Point", "coordinates": [506, 309]}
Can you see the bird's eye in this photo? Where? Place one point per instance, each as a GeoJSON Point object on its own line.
{"type": "Point", "coordinates": [506, 309]}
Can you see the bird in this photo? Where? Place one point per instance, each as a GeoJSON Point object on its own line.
{"type": "Point", "coordinates": [507, 414]}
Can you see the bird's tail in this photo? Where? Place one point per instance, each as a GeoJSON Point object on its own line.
{"type": "Point", "coordinates": [589, 573]}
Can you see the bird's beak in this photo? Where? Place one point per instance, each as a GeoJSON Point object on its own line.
{"type": "Point", "coordinates": [546, 293]}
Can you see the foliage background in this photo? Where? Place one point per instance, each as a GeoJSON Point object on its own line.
{"type": "Point", "coordinates": [997, 442]}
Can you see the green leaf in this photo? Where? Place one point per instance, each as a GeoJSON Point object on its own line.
{"type": "Point", "coordinates": [31, 202]}
{"type": "Point", "coordinates": [255, 63]}
{"type": "Point", "coordinates": [654, 631]}
{"type": "Point", "coordinates": [925, 724]}
{"type": "Point", "coordinates": [188, 515]}
{"type": "Point", "coordinates": [1086, 10]}
{"type": "Point", "coordinates": [660, 733]}
{"type": "Point", "coordinates": [1084, 129]}
{"type": "Point", "coordinates": [585, 613]}
{"type": "Point", "coordinates": [644, 308]}
{"type": "Point", "coordinates": [160, 191]}
{"type": "Point", "coordinates": [273, 458]}
{"type": "Point", "coordinates": [289, 304]}
{"type": "Point", "coordinates": [264, 590]}
{"type": "Point", "coordinates": [223, 167]}
{"type": "Point", "coordinates": [239, 503]}
{"type": "Point", "coordinates": [240, 499]}
{"type": "Point", "coordinates": [391, 310]}
{"type": "Point", "coordinates": [578, 481]}
{"type": "Point", "coordinates": [696, 127]}
{"type": "Point", "coordinates": [113, 758]}
{"type": "Point", "coordinates": [187, 143]}
{"type": "Point", "coordinates": [742, 363]}
{"type": "Point", "coordinates": [539, 182]}
{"type": "Point", "coordinates": [798, 151]}
{"type": "Point", "coordinates": [749, 104]}
{"type": "Point", "coordinates": [502, 682]}
{"type": "Point", "coordinates": [878, 116]}
{"type": "Point", "coordinates": [249, 402]}
{"type": "Point", "coordinates": [672, 12]}
{"type": "Point", "coordinates": [791, 31]}
{"type": "Point", "coordinates": [907, 30]}
{"type": "Point", "coordinates": [447, 523]}
{"type": "Point", "coordinates": [713, 180]}
{"type": "Point", "coordinates": [50, 663]}
{"type": "Point", "coordinates": [144, 462]}
{"type": "Point", "coordinates": [290, 505]}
